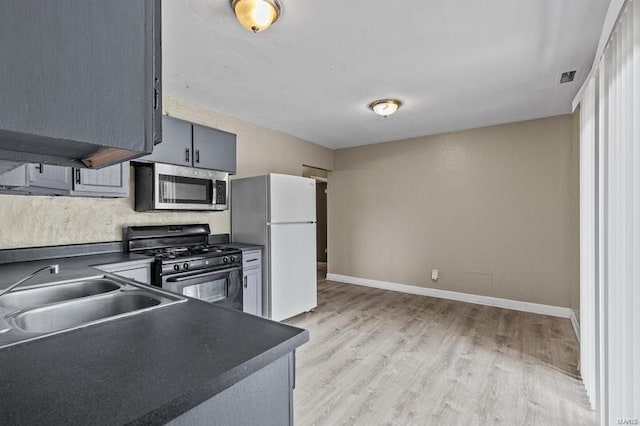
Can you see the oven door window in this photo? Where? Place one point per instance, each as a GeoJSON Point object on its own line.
{"type": "Point", "coordinates": [221, 287]}
{"type": "Point", "coordinates": [184, 190]}
{"type": "Point", "coordinates": [211, 291]}
{"type": "Point", "coordinates": [210, 287]}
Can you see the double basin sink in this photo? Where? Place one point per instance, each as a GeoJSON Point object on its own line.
{"type": "Point", "coordinates": [36, 312]}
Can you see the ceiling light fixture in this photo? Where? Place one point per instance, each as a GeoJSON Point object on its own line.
{"type": "Point", "coordinates": [256, 15]}
{"type": "Point", "coordinates": [385, 107]}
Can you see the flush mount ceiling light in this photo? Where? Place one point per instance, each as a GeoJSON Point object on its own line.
{"type": "Point", "coordinates": [256, 15]}
{"type": "Point", "coordinates": [385, 107]}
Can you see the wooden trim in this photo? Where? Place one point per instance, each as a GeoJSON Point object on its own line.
{"type": "Point", "coordinates": [516, 305]}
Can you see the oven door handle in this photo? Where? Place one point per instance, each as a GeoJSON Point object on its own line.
{"type": "Point", "coordinates": [197, 275]}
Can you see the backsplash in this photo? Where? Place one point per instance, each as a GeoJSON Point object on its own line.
{"type": "Point", "coordinates": [31, 221]}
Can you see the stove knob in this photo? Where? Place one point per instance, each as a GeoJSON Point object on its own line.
{"type": "Point", "coordinates": [176, 267]}
{"type": "Point", "coordinates": [225, 259]}
{"type": "Point", "coordinates": [185, 266]}
{"type": "Point", "coordinates": [233, 259]}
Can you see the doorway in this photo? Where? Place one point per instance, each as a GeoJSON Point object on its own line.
{"type": "Point", "coordinates": [321, 221]}
{"type": "Point", "coordinates": [321, 178]}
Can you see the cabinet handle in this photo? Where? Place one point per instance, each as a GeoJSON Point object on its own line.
{"type": "Point", "coordinates": [197, 155]}
{"type": "Point", "coordinates": [78, 177]}
{"type": "Point", "coordinates": [186, 157]}
{"type": "Point", "coordinates": [40, 168]}
{"type": "Point", "coordinates": [245, 283]}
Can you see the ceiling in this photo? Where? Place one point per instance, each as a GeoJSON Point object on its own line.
{"type": "Point", "coordinates": [455, 64]}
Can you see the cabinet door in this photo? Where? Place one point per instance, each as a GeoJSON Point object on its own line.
{"type": "Point", "coordinates": [46, 176]}
{"type": "Point", "coordinates": [15, 178]}
{"type": "Point", "coordinates": [7, 166]}
{"type": "Point", "coordinates": [79, 76]}
{"type": "Point", "coordinates": [176, 143]}
{"type": "Point", "coordinates": [39, 179]}
{"type": "Point", "coordinates": [250, 301]}
{"type": "Point", "coordinates": [142, 275]}
{"type": "Point", "coordinates": [214, 149]}
{"type": "Point", "coordinates": [112, 181]}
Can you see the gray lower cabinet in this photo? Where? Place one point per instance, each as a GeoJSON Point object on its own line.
{"type": "Point", "coordinates": [265, 398]}
{"type": "Point", "coordinates": [252, 282]}
{"type": "Point", "coordinates": [112, 181]}
{"type": "Point", "coordinates": [80, 81]}
{"type": "Point", "coordinates": [193, 145]}
{"type": "Point", "coordinates": [131, 270]}
{"type": "Point", "coordinates": [142, 275]}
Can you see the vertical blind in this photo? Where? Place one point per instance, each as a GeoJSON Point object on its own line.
{"type": "Point", "coordinates": [588, 258]}
{"type": "Point", "coordinates": [610, 226]}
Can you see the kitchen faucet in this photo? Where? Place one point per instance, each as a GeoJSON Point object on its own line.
{"type": "Point", "coordinates": [54, 269]}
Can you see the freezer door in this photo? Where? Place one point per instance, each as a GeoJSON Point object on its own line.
{"type": "Point", "coordinates": [292, 199]}
{"type": "Point", "coordinates": [293, 270]}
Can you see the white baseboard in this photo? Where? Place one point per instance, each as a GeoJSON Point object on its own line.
{"type": "Point", "coordinates": [575, 324]}
{"type": "Point", "coordinates": [516, 305]}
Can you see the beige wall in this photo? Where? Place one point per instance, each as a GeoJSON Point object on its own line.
{"type": "Point", "coordinates": [494, 209]}
{"type": "Point", "coordinates": [28, 221]}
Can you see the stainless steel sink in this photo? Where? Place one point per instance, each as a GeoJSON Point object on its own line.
{"type": "Point", "coordinates": [38, 312]}
{"type": "Point", "coordinates": [69, 315]}
{"type": "Point", "coordinates": [56, 293]}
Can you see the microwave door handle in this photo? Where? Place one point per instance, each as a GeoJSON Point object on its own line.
{"type": "Point", "coordinates": [197, 275]}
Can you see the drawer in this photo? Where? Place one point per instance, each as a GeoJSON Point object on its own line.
{"type": "Point", "coordinates": [252, 259]}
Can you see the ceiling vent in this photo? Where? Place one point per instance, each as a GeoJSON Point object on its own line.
{"type": "Point", "coordinates": [567, 77]}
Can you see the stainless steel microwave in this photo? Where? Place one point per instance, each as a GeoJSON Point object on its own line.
{"type": "Point", "coordinates": [167, 187]}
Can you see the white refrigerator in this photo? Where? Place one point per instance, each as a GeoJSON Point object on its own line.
{"type": "Point", "coordinates": [279, 212]}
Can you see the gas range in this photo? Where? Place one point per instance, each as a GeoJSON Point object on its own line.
{"type": "Point", "coordinates": [185, 263]}
{"type": "Point", "coordinates": [203, 250]}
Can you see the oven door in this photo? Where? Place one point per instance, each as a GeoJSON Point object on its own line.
{"type": "Point", "coordinates": [187, 188]}
{"type": "Point", "coordinates": [222, 287]}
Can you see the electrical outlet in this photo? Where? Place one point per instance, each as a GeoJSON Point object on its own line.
{"type": "Point", "coordinates": [434, 275]}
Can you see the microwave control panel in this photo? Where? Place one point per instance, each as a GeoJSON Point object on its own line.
{"type": "Point", "coordinates": [221, 192]}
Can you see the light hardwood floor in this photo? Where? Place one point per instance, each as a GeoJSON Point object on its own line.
{"type": "Point", "coordinates": [378, 357]}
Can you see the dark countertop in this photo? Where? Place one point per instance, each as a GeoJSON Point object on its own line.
{"type": "Point", "coordinates": [70, 267]}
{"type": "Point", "coordinates": [244, 246]}
{"type": "Point", "coordinates": [225, 241]}
{"type": "Point", "coordinates": [143, 369]}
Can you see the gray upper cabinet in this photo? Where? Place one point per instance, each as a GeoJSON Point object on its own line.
{"type": "Point", "coordinates": [47, 176]}
{"type": "Point", "coordinates": [176, 147]}
{"type": "Point", "coordinates": [193, 145]}
{"type": "Point", "coordinates": [112, 181]}
{"type": "Point", "coordinates": [214, 149]}
{"type": "Point", "coordinates": [40, 179]}
{"type": "Point", "coordinates": [44, 179]}
{"type": "Point", "coordinates": [80, 81]}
